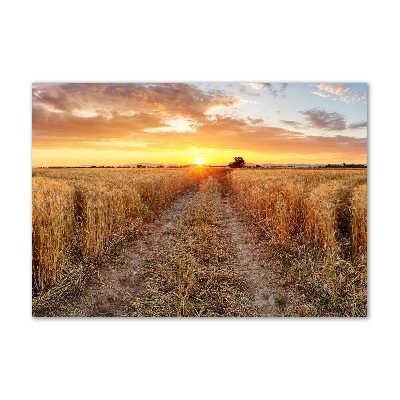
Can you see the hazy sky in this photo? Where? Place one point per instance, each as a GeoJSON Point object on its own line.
{"type": "Point", "coordinates": [118, 123]}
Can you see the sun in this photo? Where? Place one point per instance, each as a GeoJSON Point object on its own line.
{"type": "Point", "coordinates": [199, 161]}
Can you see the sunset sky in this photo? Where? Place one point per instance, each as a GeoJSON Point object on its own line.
{"type": "Point", "coordinates": [184, 123]}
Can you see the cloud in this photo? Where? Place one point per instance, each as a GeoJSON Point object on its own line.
{"type": "Point", "coordinates": [321, 94]}
{"type": "Point", "coordinates": [244, 90]}
{"type": "Point", "coordinates": [255, 121]}
{"type": "Point", "coordinates": [152, 117]}
{"type": "Point", "coordinates": [294, 124]}
{"type": "Point", "coordinates": [283, 88]}
{"type": "Point", "coordinates": [221, 133]}
{"type": "Point", "coordinates": [257, 86]}
{"type": "Point", "coordinates": [51, 130]}
{"type": "Point", "coordinates": [167, 98]}
{"type": "Point", "coordinates": [339, 91]}
{"type": "Point", "coordinates": [359, 125]}
{"type": "Point", "coordinates": [230, 133]}
{"type": "Point", "coordinates": [329, 121]}
{"type": "Point", "coordinates": [276, 90]}
{"type": "Point", "coordinates": [70, 114]}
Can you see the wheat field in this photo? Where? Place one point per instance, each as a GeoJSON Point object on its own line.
{"type": "Point", "coordinates": [318, 222]}
{"type": "Point", "coordinates": [77, 213]}
{"type": "Point", "coordinates": [315, 222]}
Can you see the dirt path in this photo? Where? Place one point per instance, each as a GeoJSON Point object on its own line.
{"type": "Point", "coordinates": [250, 261]}
{"type": "Point", "coordinates": [120, 280]}
{"type": "Point", "coordinates": [117, 280]}
{"type": "Point", "coordinates": [270, 293]}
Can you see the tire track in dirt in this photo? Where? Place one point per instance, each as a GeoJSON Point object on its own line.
{"type": "Point", "coordinates": [195, 276]}
{"type": "Point", "coordinates": [271, 293]}
{"type": "Point", "coordinates": [120, 279]}
{"type": "Point", "coordinates": [250, 262]}
{"type": "Point", "coordinates": [114, 281]}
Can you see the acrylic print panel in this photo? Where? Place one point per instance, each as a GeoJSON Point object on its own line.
{"type": "Point", "coordinates": [199, 199]}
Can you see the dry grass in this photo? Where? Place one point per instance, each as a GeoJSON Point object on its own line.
{"type": "Point", "coordinates": [359, 221]}
{"type": "Point", "coordinates": [315, 223]}
{"type": "Point", "coordinates": [328, 216]}
{"type": "Point", "coordinates": [194, 278]}
{"type": "Point", "coordinates": [78, 214]}
{"type": "Point", "coordinates": [316, 207]}
{"type": "Point", "coordinates": [53, 226]}
{"type": "Point", "coordinates": [317, 220]}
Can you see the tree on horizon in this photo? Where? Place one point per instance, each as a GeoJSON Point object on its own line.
{"type": "Point", "coordinates": [238, 163]}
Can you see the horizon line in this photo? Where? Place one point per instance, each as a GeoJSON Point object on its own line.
{"type": "Point", "coordinates": [190, 164]}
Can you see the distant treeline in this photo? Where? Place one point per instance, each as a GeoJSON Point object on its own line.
{"type": "Point", "coordinates": [154, 166]}
{"type": "Point", "coordinates": [344, 165]}
{"type": "Point", "coordinates": [307, 167]}
{"type": "Point", "coordinates": [124, 166]}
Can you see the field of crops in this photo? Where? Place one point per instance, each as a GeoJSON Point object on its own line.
{"type": "Point", "coordinates": [318, 221]}
{"type": "Point", "coordinates": [78, 213]}
{"type": "Point", "coordinates": [315, 223]}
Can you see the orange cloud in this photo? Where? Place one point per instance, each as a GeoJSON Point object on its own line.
{"type": "Point", "coordinates": [125, 117]}
{"type": "Point", "coordinates": [340, 91]}
{"type": "Point", "coordinates": [178, 99]}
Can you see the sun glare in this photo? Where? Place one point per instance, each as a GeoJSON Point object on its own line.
{"type": "Point", "coordinates": [199, 162]}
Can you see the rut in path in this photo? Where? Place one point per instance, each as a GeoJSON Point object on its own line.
{"type": "Point", "coordinates": [252, 262]}
{"type": "Point", "coordinates": [113, 283]}
{"type": "Point", "coordinates": [118, 280]}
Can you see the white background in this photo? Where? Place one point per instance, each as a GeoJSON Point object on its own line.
{"type": "Point", "coordinates": [75, 41]}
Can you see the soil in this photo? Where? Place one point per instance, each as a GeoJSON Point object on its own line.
{"type": "Point", "coordinates": [251, 261]}
{"type": "Point", "coordinates": [118, 279]}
